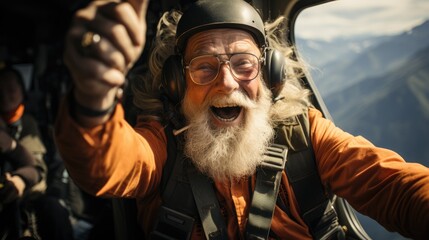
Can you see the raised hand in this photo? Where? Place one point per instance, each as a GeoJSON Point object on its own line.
{"type": "Point", "coordinates": [11, 188]}
{"type": "Point", "coordinates": [103, 42]}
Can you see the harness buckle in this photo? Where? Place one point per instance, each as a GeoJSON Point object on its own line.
{"type": "Point", "coordinates": [172, 225]}
{"type": "Point", "coordinates": [275, 157]}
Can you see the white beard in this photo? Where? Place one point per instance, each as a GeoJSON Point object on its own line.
{"type": "Point", "coordinates": [230, 152]}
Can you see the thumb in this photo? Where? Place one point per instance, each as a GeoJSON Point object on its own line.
{"type": "Point", "coordinates": [18, 183]}
{"type": "Point", "coordinates": [8, 176]}
{"type": "Point", "coordinates": [140, 6]}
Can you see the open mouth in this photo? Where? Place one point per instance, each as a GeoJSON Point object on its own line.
{"type": "Point", "coordinates": [227, 113]}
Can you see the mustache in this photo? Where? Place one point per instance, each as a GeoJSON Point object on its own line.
{"type": "Point", "coordinates": [236, 98]}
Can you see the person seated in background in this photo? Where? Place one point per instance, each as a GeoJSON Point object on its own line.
{"type": "Point", "coordinates": [25, 209]}
{"type": "Point", "coordinates": [91, 217]}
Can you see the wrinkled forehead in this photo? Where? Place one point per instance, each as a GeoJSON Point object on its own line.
{"type": "Point", "coordinates": [218, 41]}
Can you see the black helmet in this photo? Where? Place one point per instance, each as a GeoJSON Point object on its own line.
{"type": "Point", "coordinates": [212, 14]}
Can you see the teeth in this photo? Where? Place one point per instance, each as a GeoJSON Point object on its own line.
{"type": "Point", "coordinates": [225, 120]}
{"type": "Point", "coordinates": [225, 105]}
{"type": "Point", "coordinates": [226, 113]}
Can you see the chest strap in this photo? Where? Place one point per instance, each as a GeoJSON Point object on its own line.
{"type": "Point", "coordinates": [207, 204]}
{"type": "Point", "coordinates": [268, 180]}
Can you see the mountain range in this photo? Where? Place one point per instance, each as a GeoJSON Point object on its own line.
{"type": "Point", "coordinates": [377, 87]}
{"type": "Point", "coordinates": [391, 110]}
{"type": "Point", "coordinates": [343, 62]}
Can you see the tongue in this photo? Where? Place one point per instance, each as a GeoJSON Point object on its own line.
{"type": "Point", "coordinates": [226, 112]}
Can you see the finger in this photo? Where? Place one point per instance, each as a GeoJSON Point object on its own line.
{"type": "Point", "coordinates": [125, 15]}
{"type": "Point", "coordinates": [9, 192]}
{"type": "Point", "coordinates": [102, 49]}
{"type": "Point", "coordinates": [8, 176]}
{"type": "Point", "coordinates": [117, 23]}
{"type": "Point", "coordinates": [140, 6]}
{"type": "Point", "coordinates": [91, 71]}
{"type": "Point", "coordinates": [118, 35]}
{"type": "Point", "coordinates": [90, 75]}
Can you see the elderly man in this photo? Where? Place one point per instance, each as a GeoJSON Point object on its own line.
{"type": "Point", "coordinates": [219, 84]}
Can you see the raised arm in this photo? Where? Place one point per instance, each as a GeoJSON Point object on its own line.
{"type": "Point", "coordinates": [103, 42]}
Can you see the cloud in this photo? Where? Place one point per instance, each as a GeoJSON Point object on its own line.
{"type": "Point", "coordinates": [361, 17]}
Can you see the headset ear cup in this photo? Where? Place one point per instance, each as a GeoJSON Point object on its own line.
{"type": "Point", "coordinates": [172, 79]}
{"type": "Point", "coordinates": [274, 71]}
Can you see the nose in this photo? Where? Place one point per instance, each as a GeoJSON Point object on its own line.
{"type": "Point", "coordinates": [225, 81]}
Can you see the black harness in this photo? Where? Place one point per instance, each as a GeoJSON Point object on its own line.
{"type": "Point", "coordinates": [189, 198]}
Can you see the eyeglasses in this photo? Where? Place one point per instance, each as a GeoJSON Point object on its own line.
{"type": "Point", "coordinates": [205, 68]}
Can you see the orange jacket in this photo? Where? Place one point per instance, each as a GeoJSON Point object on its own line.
{"type": "Point", "coordinates": [115, 159]}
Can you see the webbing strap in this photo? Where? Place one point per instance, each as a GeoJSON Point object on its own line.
{"type": "Point", "coordinates": [207, 204]}
{"type": "Point", "coordinates": [315, 205]}
{"type": "Point", "coordinates": [268, 180]}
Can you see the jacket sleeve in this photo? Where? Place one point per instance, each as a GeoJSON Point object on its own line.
{"type": "Point", "coordinates": [27, 159]}
{"type": "Point", "coordinates": [32, 141]}
{"type": "Point", "coordinates": [375, 181]}
{"type": "Point", "coordinates": [112, 159]}
{"type": "Point", "coordinates": [24, 165]}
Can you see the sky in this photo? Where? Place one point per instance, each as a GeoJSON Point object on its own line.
{"type": "Point", "coordinates": [361, 17]}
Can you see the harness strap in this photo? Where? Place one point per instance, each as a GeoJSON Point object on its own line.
{"type": "Point", "coordinates": [268, 180]}
{"type": "Point", "coordinates": [178, 213]}
{"type": "Point", "coordinates": [199, 200]}
{"type": "Point", "coordinates": [207, 204]}
{"type": "Point", "coordinates": [315, 205]}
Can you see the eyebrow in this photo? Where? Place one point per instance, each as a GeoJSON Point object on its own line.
{"type": "Point", "coordinates": [207, 50]}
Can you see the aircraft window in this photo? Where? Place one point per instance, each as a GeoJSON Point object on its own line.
{"type": "Point", "coordinates": [26, 70]}
{"type": "Point", "coordinates": [370, 63]}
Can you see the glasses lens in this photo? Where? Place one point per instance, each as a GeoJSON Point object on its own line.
{"type": "Point", "coordinates": [203, 69]}
{"type": "Point", "coordinates": [244, 66]}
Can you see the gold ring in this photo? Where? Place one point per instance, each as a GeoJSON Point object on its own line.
{"type": "Point", "coordinates": [90, 38]}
